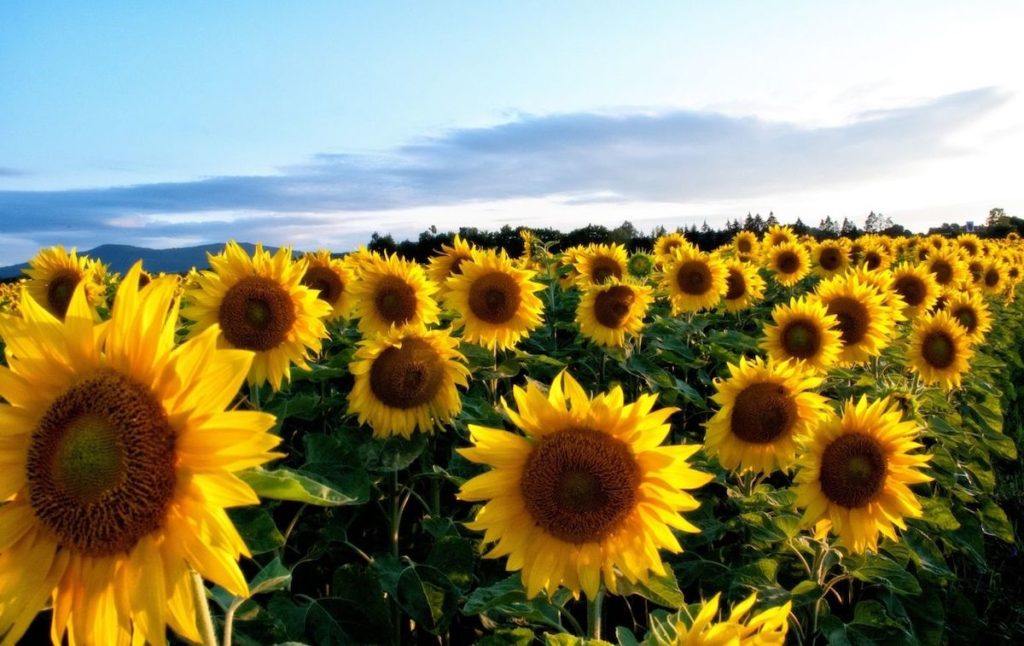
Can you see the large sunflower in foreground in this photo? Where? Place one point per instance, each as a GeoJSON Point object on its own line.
{"type": "Point", "coordinates": [53, 275]}
{"type": "Point", "coordinates": [259, 304]}
{"type": "Point", "coordinates": [863, 317]}
{"type": "Point", "coordinates": [805, 332]}
{"type": "Point", "coordinates": [695, 280]}
{"type": "Point", "coordinates": [789, 262]}
{"type": "Point", "coordinates": [607, 313]}
{"type": "Point", "coordinates": [406, 381]}
{"type": "Point", "coordinates": [393, 292]}
{"type": "Point", "coordinates": [588, 494]}
{"type": "Point", "coordinates": [765, 628]}
{"type": "Point", "coordinates": [452, 256]}
{"type": "Point", "coordinates": [855, 472]}
{"type": "Point", "coordinates": [765, 408]}
{"type": "Point", "coordinates": [939, 349]}
{"type": "Point", "coordinates": [744, 286]}
{"type": "Point", "coordinates": [332, 280]}
{"type": "Point", "coordinates": [970, 310]}
{"type": "Point", "coordinates": [497, 302]}
{"type": "Point", "coordinates": [117, 462]}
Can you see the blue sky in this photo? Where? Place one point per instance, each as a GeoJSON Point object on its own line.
{"type": "Point", "coordinates": [163, 124]}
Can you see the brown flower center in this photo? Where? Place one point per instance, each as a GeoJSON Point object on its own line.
{"type": "Point", "coordinates": [801, 339]}
{"type": "Point", "coordinates": [737, 284]}
{"type": "Point", "coordinates": [579, 485]}
{"type": "Point", "coordinates": [101, 465]}
{"type": "Point", "coordinates": [495, 297]}
{"type": "Point", "coordinates": [407, 376]}
{"type": "Point", "coordinates": [395, 301]}
{"type": "Point", "coordinates": [873, 259]}
{"type": "Point", "coordinates": [911, 289]}
{"type": "Point", "coordinates": [456, 266]}
{"type": "Point", "coordinates": [60, 290]}
{"type": "Point", "coordinates": [694, 277]}
{"type": "Point", "coordinates": [611, 307]}
{"type": "Point", "coordinates": [788, 262]}
{"type": "Point", "coordinates": [830, 258]}
{"type": "Point", "coordinates": [326, 281]}
{"type": "Point", "coordinates": [256, 314]}
{"type": "Point", "coordinates": [763, 412]}
{"type": "Point", "coordinates": [942, 270]}
{"type": "Point", "coordinates": [938, 349]}
{"type": "Point", "coordinates": [853, 318]}
{"type": "Point", "coordinates": [603, 269]}
{"type": "Point", "coordinates": [991, 278]}
{"type": "Point", "coordinates": [743, 245]}
{"type": "Point", "coordinates": [967, 317]}
{"type": "Point", "coordinates": [853, 470]}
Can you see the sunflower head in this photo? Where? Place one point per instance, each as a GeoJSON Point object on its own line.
{"type": "Point", "coordinates": [496, 300]}
{"type": "Point", "coordinates": [916, 287]}
{"type": "Point", "coordinates": [452, 256]}
{"type": "Point", "coordinates": [745, 244]}
{"type": "Point", "coordinates": [118, 463]}
{"type": "Point", "coordinates": [608, 313]}
{"type": "Point", "coordinates": [640, 265]}
{"type": "Point", "coordinates": [993, 276]}
{"type": "Point", "coordinates": [259, 304]}
{"type": "Point", "coordinates": [778, 235]}
{"type": "Point", "coordinates": [665, 246]}
{"type": "Point", "coordinates": [586, 493]}
{"type": "Point", "coordinates": [971, 312]}
{"type": "Point", "coordinates": [831, 258]}
{"type": "Point", "coordinates": [53, 275]}
{"type": "Point", "coordinates": [600, 263]}
{"type": "Point", "coordinates": [332, 280]}
{"type": "Point", "coordinates": [939, 349]}
{"type": "Point", "coordinates": [876, 256]}
{"type": "Point", "coordinates": [744, 286]}
{"type": "Point", "coordinates": [855, 471]}
{"type": "Point", "coordinates": [695, 280]}
{"type": "Point", "coordinates": [946, 266]}
{"type": "Point", "coordinates": [696, 625]}
{"type": "Point", "coordinates": [789, 262]}
{"type": "Point", "coordinates": [970, 244]}
{"type": "Point", "coordinates": [406, 381]}
{"type": "Point", "coordinates": [393, 292]}
{"type": "Point", "coordinates": [765, 409]}
{"type": "Point", "coordinates": [804, 332]}
{"type": "Point", "coordinates": [863, 317]}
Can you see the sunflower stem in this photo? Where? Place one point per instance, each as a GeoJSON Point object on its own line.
{"type": "Point", "coordinates": [203, 610]}
{"type": "Point", "coordinates": [254, 396]}
{"type": "Point", "coordinates": [594, 614]}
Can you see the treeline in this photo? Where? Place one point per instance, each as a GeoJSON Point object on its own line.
{"type": "Point", "coordinates": [508, 238]}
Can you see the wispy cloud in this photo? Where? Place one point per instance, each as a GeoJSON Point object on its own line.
{"type": "Point", "coordinates": [672, 156]}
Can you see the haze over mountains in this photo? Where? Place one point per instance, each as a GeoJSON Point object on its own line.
{"type": "Point", "coordinates": [121, 257]}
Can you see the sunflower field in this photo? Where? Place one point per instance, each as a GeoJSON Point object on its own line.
{"type": "Point", "coordinates": [781, 440]}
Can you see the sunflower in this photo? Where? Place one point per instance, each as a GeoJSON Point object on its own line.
{"type": "Point", "coordinates": [496, 301]}
{"type": "Point", "coordinates": [640, 265]}
{"type": "Point", "coordinates": [745, 245]}
{"type": "Point", "coordinates": [946, 266]}
{"type": "Point", "coordinates": [778, 235]}
{"type": "Point", "coordinates": [666, 245]}
{"type": "Point", "coordinates": [789, 262]}
{"type": "Point", "coordinates": [259, 304]}
{"type": "Point", "coordinates": [916, 287]}
{"type": "Point", "coordinates": [970, 244]}
{"type": "Point", "coordinates": [406, 381]}
{"type": "Point", "coordinates": [971, 312]}
{"type": "Point", "coordinates": [882, 281]}
{"type": "Point", "coordinates": [588, 493]}
{"type": "Point", "coordinates": [876, 256]}
{"type": "Point", "coordinates": [448, 263]}
{"type": "Point", "coordinates": [53, 275]}
{"type": "Point", "coordinates": [765, 408]}
{"type": "Point", "coordinates": [599, 263]}
{"type": "Point", "coordinates": [830, 258]}
{"type": "Point", "coordinates": [804, 331]}
{"type": "Point", "coordinates": [864, 319]}
{"type": "Point", "coordinates": [392, 292]}
{"type": "Point", "coordinates": [332, 280]}
{"type": "Point", "coordinates": [118, 463]}
{"type": "Point", "coordinates": [854, 474]}
{"type": "Point", "coordinates": [766, 628]}
{"type": "Point", "coordinates": [694, 280]}
{"type": "Point", "coordinates": [607, 313]}
{"type": "Point", "coordinates": [940, 350]}
{"type": "Point", "coordinates": [993, 276]}
{"type": "Point", "coordinates": [744, 286]}
{"type": "Point", "coordinates": [359, 259]}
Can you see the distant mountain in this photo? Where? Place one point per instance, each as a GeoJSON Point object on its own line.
{"type": "Point", "coordinates": [120, 258]}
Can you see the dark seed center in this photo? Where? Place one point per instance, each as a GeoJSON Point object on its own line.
{"type": "Point", "coordinates": [853, 318]}
{"type": "Point", "coordinates": [408, 376]}
{"type": "Point", "coordinates": [495, 298]}
{"type": "Point", "coordinates": [938, 349]}
{"type": "Point", "coordinates": [853, 470]}
{"type": "Point", "coordinates": [256, 314]}
{"type": "Point", "coordinates": [801, 339]}
{"type": "Point", "coordinates": [612, 306]}
{"type": "Point", "coordinates": [737, 284]}
{"type": "Point", "coordinates": [763, 412]}
{"type": "Point", "coordinates": [694, 277]}
{"type": "Point", "coordinates": [911, 289]}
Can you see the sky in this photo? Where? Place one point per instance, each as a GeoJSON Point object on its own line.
{"type": "Point", "coordinates": [317, 123]}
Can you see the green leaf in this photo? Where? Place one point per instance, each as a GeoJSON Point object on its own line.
{"type": "Point", "coordinates": [806, 592]}
{"type": "Point", "coordinates": [508, 637]}
{"type": "Point", "coordinates": [994, 521]}
{"type": "Point", "coordinates": [508, 597]}
{"type": "Point", "coordinates": [285, 484]}
{"type": "Point", "coordinates": [273, 576]}
{"type": "Point", "coordinates": [625, 637]}
{"type": "Point", "coordinates": [456, 557]}
{"type": "Point", "coordinates": [881, 570]}
{"type": "Point", "coordinates": [937, 512]}
{"type": "Point", "coordinates": [758, 574]}
{"type": "Point", "coordinates": [925, 553]}
{"type": "Point", "coordinates": [565, 639]}
{"type": "Point", "coordinates": [257, 528]}
{"type": "Point", "coordinates": [426, 595]}
{"type": "Point", "coordinates": [393, 454]}
{"type": "Point", "coordinates": [662, 590]}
